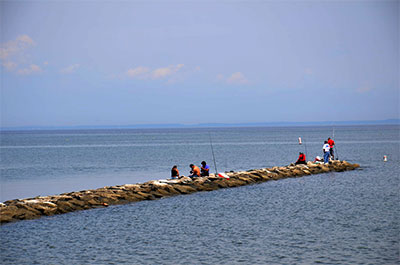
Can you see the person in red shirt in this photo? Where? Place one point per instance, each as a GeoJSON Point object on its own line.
{"type": "Point", "coordinates": [331, 144]}
{"type": "Point", "coordinates": [301, 159]}
{"type": "Point", "coordinates": [195, 172]}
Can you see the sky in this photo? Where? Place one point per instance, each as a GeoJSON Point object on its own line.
{"type": "Point", "coordinates": [77, 63]}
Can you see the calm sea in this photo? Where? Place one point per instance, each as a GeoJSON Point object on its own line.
{"type": "Point", "coordinates": [335, 218]}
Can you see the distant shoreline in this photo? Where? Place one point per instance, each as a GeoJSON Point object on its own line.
{"type": "Point", "coordinates": [203, 125]}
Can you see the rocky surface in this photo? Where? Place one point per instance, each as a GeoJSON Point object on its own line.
{"type": "Point", "coordinates": [32, 208]}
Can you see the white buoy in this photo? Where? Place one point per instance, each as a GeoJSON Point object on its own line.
{"type": "Point", "coordinates": [299, 140]}
{"type": "Point", "coordinates": [384, 158]}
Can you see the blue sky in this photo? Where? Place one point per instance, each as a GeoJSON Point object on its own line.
{"type": "Point", "coordinates": [68, 63]}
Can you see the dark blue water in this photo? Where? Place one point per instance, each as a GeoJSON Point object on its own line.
{"type": "Point", "coordinates": [335, 218]}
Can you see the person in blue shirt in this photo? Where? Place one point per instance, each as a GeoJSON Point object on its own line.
{"type": "Point", "coordinates": [326, 148]}
{"type": "Point", "coordinates": [205, 169]}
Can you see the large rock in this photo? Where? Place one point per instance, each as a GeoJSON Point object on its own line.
{"type": "Point", "coordinates": [184, 189]}
{"type": "Point", "coordinates": [65, 207]}
{"type": "Point", "coordinates": [146, 196]}
{"type": "Point", "coordinates": [46, 208]}
{"type": "Point", "coordinates": [245, 178]}
{"type": "Point", "coordinates": [222, 183]}
{"type": "Point", "coordinates": [207, 186]}
{"type": "Point", "coordinates": [297, 172]}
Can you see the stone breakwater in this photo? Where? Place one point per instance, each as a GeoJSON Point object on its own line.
{"type": "Point", "coordinates": [32, 208]}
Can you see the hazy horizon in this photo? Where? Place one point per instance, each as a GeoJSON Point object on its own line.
{"type": "Point", "coordinates": [209, 125]}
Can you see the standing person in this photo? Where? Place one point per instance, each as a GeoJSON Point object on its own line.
{"type": "Point", "coordinates": [326, 150]}
{"type": "Point", "coordinates": [301, 159]}
{"type": "Point", "coordinates": [205, 169]}
{"type": "Point", "coordinates": [195, 172]}
{"type": "Point", "coordinates": [331, 144]}
{"type": "Point", "coordinates": [174, 172]}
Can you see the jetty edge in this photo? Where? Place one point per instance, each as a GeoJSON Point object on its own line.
{"type": "Point", "coordinates": [32, 208]}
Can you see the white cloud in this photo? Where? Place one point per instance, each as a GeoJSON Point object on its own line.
{"type": "Point", "coordinates": [10, 65]}
{"type": "Point", "coordinates": [14, 47]}
{"type": "Point", "coordinates": [166, 71]}
{"type": "Point", "coordinates": [25, 39]}
{"type": "Point", "coordinates": [138, 72]}
{"type": "Point", "coordinates": [70, 69]}
{"type": "Point", "coordinates": [32, 69]}
{"type": "Point", "coordinates": [13, 54]}
{"type": "Point", "coordinates": [161, 72]}
{"type": "Point", "coordinates": [142, 72]}
{"type": "Point", "coordinates": [237, 78]}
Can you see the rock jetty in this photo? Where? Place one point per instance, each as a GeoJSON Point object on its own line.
{"type": "Point", "coordinates": [15, 210]}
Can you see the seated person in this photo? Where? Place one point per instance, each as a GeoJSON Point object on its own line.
{"type": "Point", "coordinates": [301, 159]}
{"type": "Point", "coordinates": [174, 172]}
{"type": "Point", "coordinates": [205, 169]}
{"type": "Point", "coordinates": [195, 172]}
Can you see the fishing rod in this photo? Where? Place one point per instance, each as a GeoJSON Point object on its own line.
{"type": "Point", "coordinates": [305, 146]}
{"type": "Point", "coordinates": [212, 150]}
{"type": "Point", "coordinates": [337, 155]}
{"type": "Point", "coordinates": [222, 175]}
{"type": "Point", "coordinates": [333, 137]}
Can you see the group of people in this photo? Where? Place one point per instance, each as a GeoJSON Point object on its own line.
{"type": "Point", "coordinates": [327, 148]}
{"type": "Point", "coordinates": [195, 172]}
{"type": "Point", "coordinates": [204, 169]}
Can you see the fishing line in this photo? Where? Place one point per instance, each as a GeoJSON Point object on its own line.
{"type": "Point", "coordinates": [333, 137]}
{"type": "Point", "coordinates": [212, 150]}
{"type": "Point", "coordinates": [305, 146]}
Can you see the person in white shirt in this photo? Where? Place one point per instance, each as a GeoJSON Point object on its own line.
{"type": "Point", "coordinates": [326, 148]}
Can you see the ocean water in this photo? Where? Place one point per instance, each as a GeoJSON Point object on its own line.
{"type": "Point", "coordinates": [335, 218]}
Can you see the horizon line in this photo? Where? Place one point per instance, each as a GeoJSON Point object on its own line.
{"type": "Point", "coordinates": [204, 125]}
